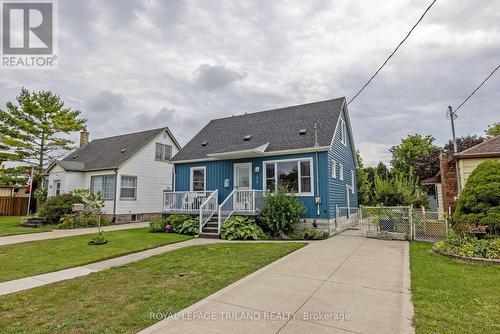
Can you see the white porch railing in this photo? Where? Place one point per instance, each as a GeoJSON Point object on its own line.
{"type": "Point", "coordinates": [241, 201]}
{"type": "Point", "coordinates": [208, 208]}
{"type": "Point", "coordinates": [184, 201]}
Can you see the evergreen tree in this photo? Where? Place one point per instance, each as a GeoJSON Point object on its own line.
{"type": "Point", "coordinates": [31, 132]}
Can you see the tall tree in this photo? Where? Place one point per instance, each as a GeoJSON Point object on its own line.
{"type": "Point", "coordinates": [365, 187]}
{"type": "Point", "coordinates": [14, 175]}
{"type": "Point", "coordinates": [493, 130]}
{"type": "Point", "coordinates": [463, 143]}
{"type": "Point", "coordinates": [411, 147]}
{"type": "Point", "coordinates": [382, 170]}
{"type": "Point", "coordinates": [32, 131]}
{"type": "Point", "coordinates": [427, 164]}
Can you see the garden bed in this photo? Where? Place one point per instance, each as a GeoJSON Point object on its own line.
{"type": "Point", "coordinates": [478, 260]}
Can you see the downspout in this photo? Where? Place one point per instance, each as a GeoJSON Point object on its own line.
{"type": "Point", "coordinates": [116, 194]}
{"type": "Point", "coordinates": [317, 183]}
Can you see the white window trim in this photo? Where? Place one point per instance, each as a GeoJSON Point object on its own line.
{"type": "Point", "coordinates": [334, 168]}
{"type": "Point", "coordinates": [57, 182]}
{"type": "Point", "coordinates": [343, 132]}
{"type": "Point", "coordinates": [121, 186]}
{"type": "Point", "coordinates": [102, 192]}
{"type": "Point", "coordinates": [164, 146]}
{"type": "Point", "coordinates": [191, 170]}
{"type": "Point", "coordinates": [341, 172]}
{"type": "Point", "coordinates": [352, 181]}
{"type": "Point", "coordinates": [301, 194]}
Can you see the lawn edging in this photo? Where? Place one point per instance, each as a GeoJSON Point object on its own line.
{"type": "Point", "coordinates": [478, 260]}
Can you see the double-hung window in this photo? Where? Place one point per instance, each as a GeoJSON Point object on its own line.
{"type": "Point", "coordinates": [341, 171]}
{"type": "Point", "coordinates": [128, 187]}
{"type": "Point", "coordinates": [163, 152]}
{"type": "Point", "coordinates": [198, 178]}
{"type": "Point", "coordinates": [104, 184]}
{"type": "Point", "coordinates": [295, 176]}
{"type": "Point", "coordinates": [57, 187]}
{"type": "Point", "coordinates": [343, 132]}
{"type": "Point", "coordinates": [334, 168]}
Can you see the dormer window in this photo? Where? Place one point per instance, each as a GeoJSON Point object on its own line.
{"type": "Point", "coordinates": [302, 132]}
{"type": "Point", "coordinates": [247, 137]}
{"type": "Point", "coordinates": [204, 143]}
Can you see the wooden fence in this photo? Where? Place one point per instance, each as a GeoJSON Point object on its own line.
{"type": "Point", "coordinates": [13, 206]}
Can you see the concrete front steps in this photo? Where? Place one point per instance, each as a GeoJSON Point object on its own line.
{"type": "Point", "coordinates": [210, 230]}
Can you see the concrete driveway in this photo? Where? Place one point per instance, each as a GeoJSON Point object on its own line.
{"type": "Point", "coordinates": [346, 284]}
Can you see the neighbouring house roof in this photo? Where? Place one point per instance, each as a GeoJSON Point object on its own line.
{"type": "Point", "coordinates": [432, 180]}
{"type": "Point", "coordinates": [489, 148]}
{"type": "Point", "coordinates": [108, 153]}
{"type": "Point", "coordinates": [267, 131]}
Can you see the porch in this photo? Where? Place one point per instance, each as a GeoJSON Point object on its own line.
{"type": "Point", "coordinates": [205, 205]}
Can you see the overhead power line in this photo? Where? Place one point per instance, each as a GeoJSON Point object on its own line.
{"type": "Point", "coordinates": [478, 87]}
{"type": "Point", "coordinates": [393, 52]}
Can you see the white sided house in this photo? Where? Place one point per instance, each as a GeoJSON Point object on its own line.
{"type": "Point", "coordinates": [131, 171]}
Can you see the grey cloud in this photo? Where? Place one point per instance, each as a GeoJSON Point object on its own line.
{"type": "Point", "coordinates": [212, 77]}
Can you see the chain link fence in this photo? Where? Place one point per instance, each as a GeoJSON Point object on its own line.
{"type": "Point", "coordinates": [346, 218]}
{"type": "Point", "coordinates": [401, 222]}
{"type": "Point", "coordinates": [428, 225]}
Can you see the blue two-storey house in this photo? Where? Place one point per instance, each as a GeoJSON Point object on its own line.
{"type": "Point", "coordinates": [227, 168]}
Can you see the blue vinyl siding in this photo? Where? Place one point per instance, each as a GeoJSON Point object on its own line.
{"type": "Point", "coordinates": [218, 171]}
{"type": "Point", "coordinates": [341, 154]}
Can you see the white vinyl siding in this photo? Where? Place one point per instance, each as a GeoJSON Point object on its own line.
{"type": "Point", "coordinates": [296, 176]}
{"type": "Point", "coordinates": [105, 184]}
{"type": "Point", "coordinates": [128, 187]}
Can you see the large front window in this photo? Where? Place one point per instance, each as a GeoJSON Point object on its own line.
{"type": "Point", "coordinates": [198, 179]}
{"type": "Point", "coordinates": [294, 176]}
{"type": "Point", "coordinates": [105, 184]}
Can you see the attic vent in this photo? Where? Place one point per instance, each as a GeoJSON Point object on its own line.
{"type": "Point", "coordinates": [302, 132]}
{"type": "Point", "coordinates": [204, 143]}
{"type": "Point", "coordinates": [75, 156]}
{"type": "Point", "coordinates": [247, 137]}
{"type": "Point", "coordinates": [123, 150]}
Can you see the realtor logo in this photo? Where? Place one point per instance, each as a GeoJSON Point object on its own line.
{"type": "Point", "coordinates": [28, 34]}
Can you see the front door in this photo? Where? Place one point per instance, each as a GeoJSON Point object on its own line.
{"type": "Point", "coordinates": [243, 183]}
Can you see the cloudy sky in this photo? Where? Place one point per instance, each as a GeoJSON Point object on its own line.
{"type": "Point", "coordinates": [134, 65]}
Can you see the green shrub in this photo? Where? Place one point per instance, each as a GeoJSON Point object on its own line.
{"type": "Point", "coordinates": [309, 235]}
{"type": "Point", "coordinates": [157, 225]}
{"type": "Point", "coordinates": [241, 228]}
{"type": "Point", "coordinates": [98, 240]}
{"type": "Point", "coordinates": [189, 226]}
{"type": "Point", "coordinates": [469, 246]}
{"type": "Point", "coordinates": [57, 206]}
{"type": "Point", "coordinates": [281, 212]}
{"type": "Point", "coordinates": [77, 220]}
{"type": "Point", "coordinates": [479, 202]}
{"type": "Point", "coordinates": [171, 223]}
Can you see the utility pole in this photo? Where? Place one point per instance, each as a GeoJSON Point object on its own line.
{"type": "Point", "coordinates": [452, 116]}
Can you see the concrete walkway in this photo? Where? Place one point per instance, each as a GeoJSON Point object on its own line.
{"type": "Point", "coordinates": [61, 275]}
{"type": "Point", "coordinates": [15, 239]}
{"type": "Point", "coordinates": [346, 284]}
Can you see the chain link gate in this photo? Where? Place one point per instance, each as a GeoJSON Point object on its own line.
{"type": "Point", "coordinates": [401, 223]}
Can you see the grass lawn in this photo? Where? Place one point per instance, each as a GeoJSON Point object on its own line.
{"type": "Point", "coordinates": [38, 257]}
{"type": "Point", "coordinates": [121, 299]}
{"type": "Point", "coordinates": [10, 225]}
{"type": "Point", "coordinates": [453, 297]}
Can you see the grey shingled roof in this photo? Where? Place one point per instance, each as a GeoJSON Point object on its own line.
{"type": "Point", "coordinates": [488, 148]}
{"type": "Point", "coordinates": [278, 127]}
{"type": "Point", "coordinates": [106, 153]}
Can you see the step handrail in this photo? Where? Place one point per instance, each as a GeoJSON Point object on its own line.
{"type": "Point", "coordinates": [212, 199]}
{"type": "Point", "coordinates": [219, 221]}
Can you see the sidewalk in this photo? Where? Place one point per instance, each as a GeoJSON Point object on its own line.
{"type": "Point", "coordinates": [346, 284]}
{"type": "Point", "coordinates": [56, 276]}
{"type": "Point", "coordinates": [15, 239]}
